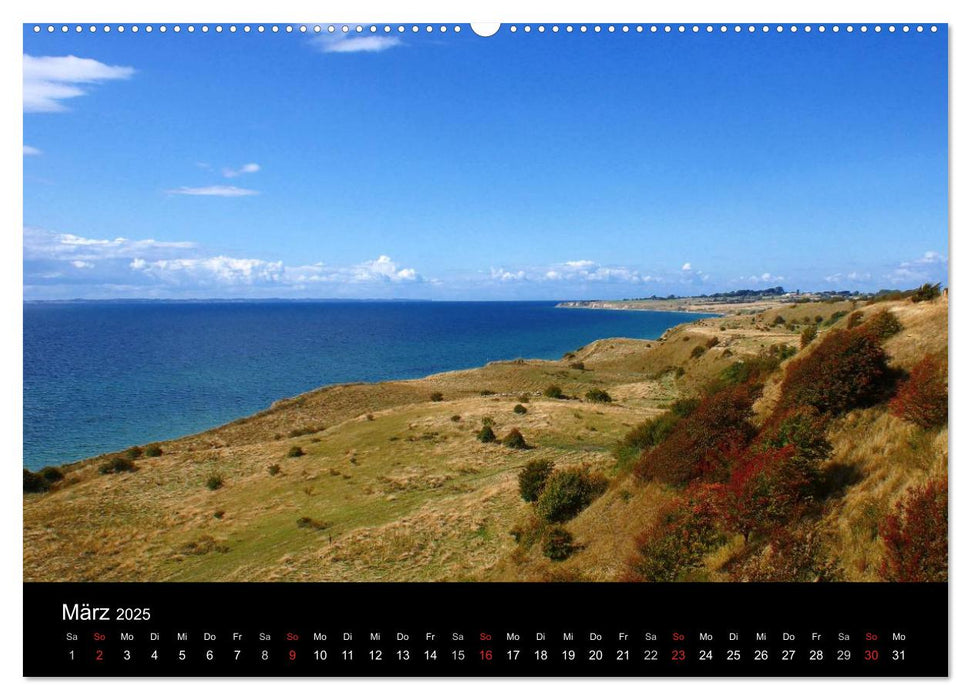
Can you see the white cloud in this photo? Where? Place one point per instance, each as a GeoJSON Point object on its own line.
{"type": "Point", "coordinates": [930, 267]}
{"type": "Point", "coordinates": [49, 80]}
{"type": "Point", "coordinates": [347, 43]}
{"type": "Point", "coordinates": [686, 267]}
{"type": "Point", "coordinates": [766, 277]}
{"type": "Point", "coordinates": [848, 277]}
{"type": "Point", "coordinates": [571, 270]}
{"type": "Point", "coordinates": [218, 269]}
{"type": "Point", "coordinates": [41, 244]}
{"type": "Point", "coordinates": [81, 264]}
{"type": "Point", "coordinates": [214, 191]}
{"type": "Point", "coordinates": [31, 151]}
{"type": "Point", "coordinates": [501, 274]}
{"type": "Point", "coordinates": [242, 170]}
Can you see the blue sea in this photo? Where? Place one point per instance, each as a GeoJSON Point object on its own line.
{"type": "Point", "coordinates": [101, 376]}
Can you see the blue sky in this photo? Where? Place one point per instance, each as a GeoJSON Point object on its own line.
{"type": "Point", "coordinates": [444, 166]}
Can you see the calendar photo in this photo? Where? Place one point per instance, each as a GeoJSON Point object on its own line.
{"type": "Point", "coordinates": [523, 304]}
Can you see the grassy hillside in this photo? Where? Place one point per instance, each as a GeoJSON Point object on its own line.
{"type": "Point", "coordinates": [393, 482]}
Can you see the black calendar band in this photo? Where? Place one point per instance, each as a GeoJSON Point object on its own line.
{"type": "Point", "coordinates": [484, 629]}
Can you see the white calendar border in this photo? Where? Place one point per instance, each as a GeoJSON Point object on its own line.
{"type": "Point", "coordinates": [442, 11]}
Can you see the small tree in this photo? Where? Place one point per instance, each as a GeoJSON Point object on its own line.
{"type": "Point", "coordinates": [915, 536]}
{"type": "Point", "coordinates": [532, 478]}
{"type": "Point", "coordinates": [486, 434]}
{"type": "Point", "coordinates": [515, 440]}
{"type": "Point", "coordinates": [922, 398]}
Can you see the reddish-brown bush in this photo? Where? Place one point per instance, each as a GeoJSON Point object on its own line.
{"type": "Point", "coordinates": [703, 443]}
{"type": "Point", "coordinates": [677, 543]}
{"type": "Point", "coordinates": [763, 493]}
{"type": "Point", "coordinates": [922, 398]}
{"type": "Point", "coordinates": [803, 428]}
{"type": "Point", "coordinates": [788, 556]}
{"type": "Point", "coordinates": [915, 536]}
{"type": "Point", "coordinates": [845, 370]}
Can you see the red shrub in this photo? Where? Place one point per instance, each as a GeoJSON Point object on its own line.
{"type": "Point", "coordinates": [922, 399]}
{"type": "Point", "coordinates": [915, 536]}
{"type": "Point", "coordinates": [804, 429]}
{"type": "Point", "coordinates": [703, 442]}
{"type": "Point", "coordinates": [677, 543]}
{"type": "Point", "coordinates": [845, 370]}
{"type": "Point", "coordinates": [764, 492]}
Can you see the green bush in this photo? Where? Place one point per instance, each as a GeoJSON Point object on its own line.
{"type": "Point", "coordinates": [35, 483]}
{"type": "Point", "coordinates": [273, 469]}
{"type": "Point", "coordinates": [807, 336]}
{"type": "Point", "coordinates": [598, 396]}
{"type": "Point", "coordinates": [456, 418]}
{"type": "Point", "coordinates": [436, 396]}
{"type": "Point", "coordinates": [51, 474]}
{"type": "Point", "coordinates": [116, 465]}
{"type": "Point", "coordinates": [567, 493]}
{"type": "Point", "coordinates": [553, 392]}
{"type": "Point", "coordinates": [698, 351]}
{"type": "Point", "coordinates": [515, 440]}
{"type": "Point", "coordinates": [926, 292]}
{"type": "Point", "coordinates": [557, 544]}
{"type": "Point", "coordinates": [295, 451]}
{"type": "Point", "coordinates": [524, 398]}
{"type": "Point", "coordinates": [153, 451]}
{"type": "Point", "coordinates": [884, 325]}
{"type": "Point", "coordinates": [133, 452]}
{"type": "Point", "coordinates": [651, 432]}
{"type": "Point", "coordinates": [486, 434]}
{"type": "Point", "coordinates": [778, 321]}
{"type": "Point", "coordinates": [532, 478]}
{"type": "Point", "coordinates": [683, 408]}
{"type": "Point", "coordinates": [214, 481]}
{"type": "Point", "coordinates": [519, 408]}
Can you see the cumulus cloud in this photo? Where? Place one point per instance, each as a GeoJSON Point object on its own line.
{"type": "Point", "coordinates": [571, 271]}
{"type": "Point", "coordinates": [349, 43]}
{"type": "Point", "coordinates": [848, 277]}
{"type": "Point", "coordinates": [82, 264]}
{"type": "Point", "coordinates": [246, 169]}
{"type": "Point", "coordinates": [31, 151]}
{"type": "Point", "coordinates": [214, 191]}
{"type": "Point", "coordinates": [50, 80]}
{"type": "Point", "coordinates": [686, 267]}
{"type": "Point", "coordinates": [500, 274]}
{"type": "Point", "coordinates": [219, 269]}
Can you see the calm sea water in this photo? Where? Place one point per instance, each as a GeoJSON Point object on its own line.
{"type": "Point", "coordinates": [99, 377]}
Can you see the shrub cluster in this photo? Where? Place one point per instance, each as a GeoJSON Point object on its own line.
{"type": "Point", "coordinates": [915, 536]}
{"type": "Point", "coordinates": [703, 442]}
{"type": "Point", "coordinates": [926, 292]}
{"type": "Point", "coordinates": [115, 465]}
{"type": "Point", "coordinates": [553, 392]}
{"type": "Point", "coordinates": [557, 543]}
{"type": "Point", "coordinates": [884, 325]}
{"type": "Point", "coordinates": [847, 369]}
{"type": "Point", "coordinates": [567, 492]}
{"type": "Point", "coordinates": [678, 541]}
{"type": "Point", "coordinates": [486, 434]}
{"type": "Point", "coordinates": [514, 440]}
{"type": "Point", "coordinates": [532, 478]}
{"type": "Point", "coordinates": [922, 397]}
{"type": "Point", "coordinates": [598, 396]}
